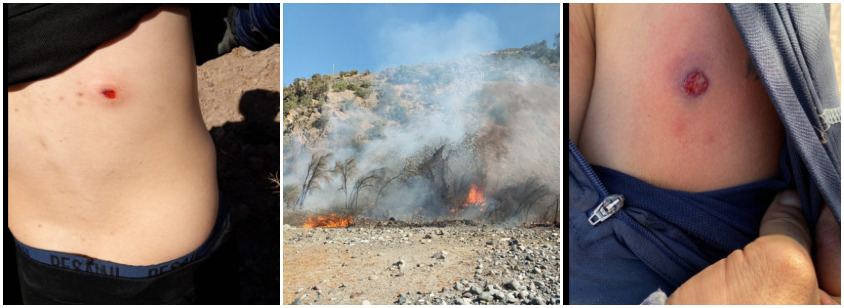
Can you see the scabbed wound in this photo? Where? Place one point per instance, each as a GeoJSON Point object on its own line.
{"type": "Point", "coordinates": [109, 93]}
{"type": "Point", "coordinates": [696, 83]}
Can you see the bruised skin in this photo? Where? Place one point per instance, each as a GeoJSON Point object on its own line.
{"type": "Point", "coordinates": [672, 103]}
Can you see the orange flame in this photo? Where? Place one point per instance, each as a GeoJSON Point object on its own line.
{"type": "Point", "coordinates": [330, 221]}
{"type": "Point", "coordinates": [476, 196]}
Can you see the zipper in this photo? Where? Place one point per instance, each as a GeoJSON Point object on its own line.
{"type": "Point", "coordinates": [590, 174]}
{"type": "Point", "coordinates": [611, 203]}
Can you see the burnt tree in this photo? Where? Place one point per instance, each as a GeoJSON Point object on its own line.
{"type": "Point", "coordinates": [317, 172]}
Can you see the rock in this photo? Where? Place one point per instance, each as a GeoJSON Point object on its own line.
{"type": "Point", "coordinates": [373, 277]}
{"type": "Point", "coordinates": [485, 296]}
{"type": "Point", "coordinates": [343, 285]}
{"type": "Point", "coordinates": [380, 254]}
{"type": "Point", "coordinates": [504, 239]}
{"type": "Point", "coordinates": [318, 299]}
{"type": "Point", "coordinates": [440, 232]}
{"type": "Point", "coordinates": [474, 289]}
{"type": "Point", "coordinates": [365, 303]}
{"type": "Point", "coordinates": [300, 290]}
{"type": "Point", "coordinates": [439, 255]}
{"type": "Point", "coordinates": [299, 300]}
{"type": "Point", "coordinates": [538, 301]}
{"type": "Point", "coordinates": [490, 242]}
{"type": "Point", "coordinates": [458, 286]}
{"type": "Point", "coordinates": [524, 294]}
{"type": "Point", "coordinates": [287, 227]}
{"type": "Point", "coordinates": [512, 284]}
{"type": "Point", "coordinates": [512, 299]}
{"type": "Point", "coordinates": [316, 287]}
{"type": "Point", "coordinates": [498, 295]}
{"type": "Point", "coordinates": [402, 299]}
{"type": "Point", "coordinates": [537, 271]}
{"type": "Point", "coordinates": [428, 236]}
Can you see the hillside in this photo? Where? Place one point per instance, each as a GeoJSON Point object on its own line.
{"type": "Point", "coordinates": [414, 140]}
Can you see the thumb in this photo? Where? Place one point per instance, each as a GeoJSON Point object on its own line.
{"type": "Point", "coordinates": [785, 217]}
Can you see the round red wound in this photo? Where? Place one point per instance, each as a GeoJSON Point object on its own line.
{"type": "Point", "coordinates": [696, 83]}
{"type": "Point", "coordinates": [109, 93]}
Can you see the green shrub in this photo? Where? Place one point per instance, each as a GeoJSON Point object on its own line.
{"type": "Point", "coordinates": [366, 73]}
{"type": "Point", "coordinates": [353, 72]}
{"type": "Point", "coordinates": [358, 144]}
{"type": "Point", "coordinates": [288, 106]}
{"type": "Point", "coordinates": [362, 92]}
{"type": "Point", "coordinates": [318, 87]}
{"type": "Point", "coordinates": [321, 122]}
{"type": "Point", "coordinates": [340, 86]}
{"type": "Point", "coordinates": [342, 74]}
{"type": "Point", "coordinates": [398, 113]}
{"type": "Point", "coordinates": [387, 95]}
{"type": "Point", "coordinates": [365, 84]}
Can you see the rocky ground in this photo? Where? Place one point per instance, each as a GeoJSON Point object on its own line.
{"type": "Point", "coordinates": [239, 98]}
{"type": "Point", "coordinates": [421, 265]}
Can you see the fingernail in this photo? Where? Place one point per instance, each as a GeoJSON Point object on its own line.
{"type": "Point", "coordinates": [789, 198]}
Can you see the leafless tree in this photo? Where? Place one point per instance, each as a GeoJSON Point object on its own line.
{"type": "Point", "coordinates": [532, 193]}
{"type": "Point", "coordinates": [316, 172]}
{"type": "Point", "coordinates": [369, 179]}
{"type": "Point", "coordinates": [291, 194]}
{"type": "Point", "coordinates": [346, 169]}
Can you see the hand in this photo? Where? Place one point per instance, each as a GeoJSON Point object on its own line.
{"type": "Point", "coordinates": [828, 254]}
{"type": "Point", "coordinates": [776, 268]}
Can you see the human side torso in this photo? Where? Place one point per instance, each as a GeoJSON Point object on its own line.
{"type": "Point", "coordinates": [129, 179]}
{"type": "Point", "coordinates": [641, 121]}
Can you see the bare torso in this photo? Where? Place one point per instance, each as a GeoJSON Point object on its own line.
{"type": "Point", "coordinates": [129, 179]}
{"type": "Point", "coordinates": [636, 117]}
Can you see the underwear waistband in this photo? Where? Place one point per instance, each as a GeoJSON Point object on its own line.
{"type": "Point", "coordinates": [107, 268]}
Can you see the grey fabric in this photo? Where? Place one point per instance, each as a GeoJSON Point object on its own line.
{"type": "Point", "coordinates": [789, 44]}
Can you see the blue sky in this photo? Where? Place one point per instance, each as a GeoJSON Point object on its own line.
{"type": "Point", "coordinates": [378, 36]}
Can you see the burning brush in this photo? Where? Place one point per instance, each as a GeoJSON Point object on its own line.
{"type": "Point", "coordinates": [329, 221]}
{"type": "Point", "coordinates": [475, 199]}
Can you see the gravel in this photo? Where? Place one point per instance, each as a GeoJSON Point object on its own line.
{"type": "Point", "coordinates": [522, 266]}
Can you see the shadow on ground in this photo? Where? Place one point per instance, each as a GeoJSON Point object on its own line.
{"type": "Point", "coordinates": [247, 161]}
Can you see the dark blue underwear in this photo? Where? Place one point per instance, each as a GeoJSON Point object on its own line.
{"type": "Point", "coordinates": [106, 268]}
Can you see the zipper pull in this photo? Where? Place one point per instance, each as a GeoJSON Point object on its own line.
{"type": "Point", "coordinates": [608, 207]}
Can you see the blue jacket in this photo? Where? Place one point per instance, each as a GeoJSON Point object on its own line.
{"type": "Point", "coordinates": [620, 255]}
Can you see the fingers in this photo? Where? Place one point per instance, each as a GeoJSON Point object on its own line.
{"type": "Point", "coordinates": [829, 300]}
{"type": "Point", "coordinates": [776, 268]}
{"type": "Point", "coordinates": [785, 217]}
{"type": "Point", "coordinates": [828, 253]}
